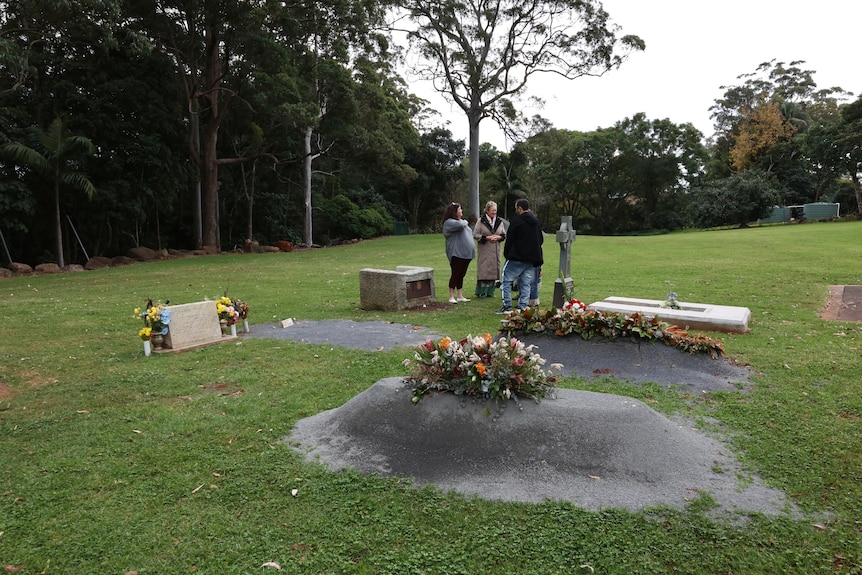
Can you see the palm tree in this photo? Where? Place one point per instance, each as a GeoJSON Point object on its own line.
{"type": "Point", "coordinates": [55, 165]}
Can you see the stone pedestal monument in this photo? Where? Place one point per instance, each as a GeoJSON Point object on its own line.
{"type": "Point", "coordinates": [564, 286]}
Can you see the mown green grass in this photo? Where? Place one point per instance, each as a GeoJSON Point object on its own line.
{"type": "Point", "coordinates": [111, 462]}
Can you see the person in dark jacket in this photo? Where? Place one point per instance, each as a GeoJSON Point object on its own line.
{"type": "Point", "coordinates": [523, 253]}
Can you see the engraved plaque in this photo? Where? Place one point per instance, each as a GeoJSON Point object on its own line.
{"type": "Point", "coordinates": [419, 288]}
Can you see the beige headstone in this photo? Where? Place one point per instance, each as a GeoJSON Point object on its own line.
{"type": "Point", "coordinates": [193, 325]}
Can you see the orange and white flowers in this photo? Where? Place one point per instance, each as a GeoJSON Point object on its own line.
{"type": "Point", "coordinates": [479, 366]}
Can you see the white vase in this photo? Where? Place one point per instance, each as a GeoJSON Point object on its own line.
{"type": "Point", "coordinates": [245, 328]}
{"type": "Point", "coordinates": [147, 349]}
{"type": "Point", "coordinates": [233, 329]}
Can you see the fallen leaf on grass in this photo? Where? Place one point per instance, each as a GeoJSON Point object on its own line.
{"type": "Point", "coordinates": [198, 488]}
{"type": "Point", "coordinates": [14, 568]}
{"type": "Point", "coordinates": [83, 411]}
{"type": "Point", "coordinates": [272, 564]}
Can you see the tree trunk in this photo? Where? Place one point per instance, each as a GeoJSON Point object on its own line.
{"type": "Point", "coordinates": [857, 187]}
{"type": "Point", "coordinates": [209, 144]}
{"type": "Point", "coordinates": [209, 190]}
{"type": "Point", "coordinates": [194, 126]}
{"type": "Point", "coordinates": [58, 223]}
{"type": "Point", "coordinates": [250, 197]}
{"type": "Point", "coordinates": [474, 118]}
{"type": "Point", "coordinates": [306, 180]}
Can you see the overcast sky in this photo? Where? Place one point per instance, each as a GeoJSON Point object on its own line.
{"type": "Point", "coordinates": [692, 49]}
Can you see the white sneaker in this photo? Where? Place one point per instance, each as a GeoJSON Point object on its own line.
{"type": "Point", "coordinates": [453, 300]}
{"type": "Point", "coordinates": [463, 299]}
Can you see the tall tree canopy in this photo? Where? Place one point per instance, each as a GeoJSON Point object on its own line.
{"type": "Point", "coordinates": [763, 124]}
{"type": "Point", "coordinates": [479, 53]}
{"type": "Point", "coordinates": [633, 176]}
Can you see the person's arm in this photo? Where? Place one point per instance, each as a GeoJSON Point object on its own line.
{"type": "Point", "coordinates": [478, 235]}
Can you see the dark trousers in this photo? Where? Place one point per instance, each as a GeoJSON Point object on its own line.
{"type": "Point", "coordinates": [459, 270]}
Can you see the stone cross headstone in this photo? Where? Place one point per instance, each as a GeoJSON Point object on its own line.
{"type": "Point", "coordinates": [564, 284]}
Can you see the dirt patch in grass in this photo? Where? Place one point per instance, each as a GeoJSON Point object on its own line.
{"type": "Point", "coordinates": [34, 379]}
{"type": "Point", "coordinates": [432, 306]}
{"type": "Point", "coordinates": [845, 304]}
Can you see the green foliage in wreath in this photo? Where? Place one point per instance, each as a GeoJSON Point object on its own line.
{"type": "Point", "coordinates": [575, 319]}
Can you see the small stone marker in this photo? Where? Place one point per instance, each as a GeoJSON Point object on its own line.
{"type": "Point", "coordinates": [194, 325]}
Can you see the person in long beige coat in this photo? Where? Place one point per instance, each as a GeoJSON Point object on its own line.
{"type": "Point", "coordinates": [489, 231]}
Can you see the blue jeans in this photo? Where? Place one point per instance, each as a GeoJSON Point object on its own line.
{"type": "Point", "coordinates": [534, 288]}
{"type": "Point", "coordinates": [525, 272]}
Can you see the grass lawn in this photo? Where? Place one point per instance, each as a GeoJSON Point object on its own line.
{"type": "Point", "coordinates": [115, 463]}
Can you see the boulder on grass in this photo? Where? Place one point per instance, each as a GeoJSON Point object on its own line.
{"type": "Point", "coordinates": [143, 254]}
{"type": "Point", "coordinates": [20, 269]}
{"type": "Point", "coordinates": [49, 268]}
{"type": "Point", "coordinates": [121, 261]}
{"type": "Point", "coordinates": [97, 263]}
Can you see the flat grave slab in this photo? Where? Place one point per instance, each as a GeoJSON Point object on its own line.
{"type": "Point", "coordinates": [699, 316]}
{"type": "Point", "coordinates": [845, 303]}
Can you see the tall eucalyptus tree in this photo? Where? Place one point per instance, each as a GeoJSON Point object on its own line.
{"type": "Point", "coordinates": [325, 37]}
{"type": "Point", "coordinates": [214, 45]}
{"type": "Point", "coordinates": [482, 53]}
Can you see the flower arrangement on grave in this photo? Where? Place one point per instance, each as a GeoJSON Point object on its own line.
{"type": "Point", "coordinates": [479, 367]}
{"type": "Point", "coordinates": [241, 308]}
{"type": "Point", "coordinates": [156, 318]}
{"type": "Point", "coordinates": [227, 311]}
{"type": "Point", "coordinates": [573, 318]}
{"type": "Point", "coordinates": [671, 302]}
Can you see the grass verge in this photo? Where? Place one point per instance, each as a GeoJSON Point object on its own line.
{"type": "Point", "coordinates": [117, 463]}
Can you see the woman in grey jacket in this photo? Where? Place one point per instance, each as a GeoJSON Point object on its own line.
{"type": "Point", "coordinates": [460, 249]}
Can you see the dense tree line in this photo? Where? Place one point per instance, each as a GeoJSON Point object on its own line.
{"type": "Point", "coordinates": [779, 141]}
{"type": "Point", "coordinates": [788, 138]}
{"type": "Point", "coordinates": [188, 123]}
{"type": "Point", "coordinates": [208, 123]}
